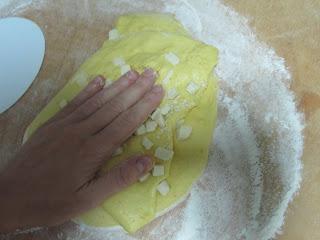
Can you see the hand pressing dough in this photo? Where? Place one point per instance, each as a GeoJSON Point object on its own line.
{"type": "Point", "coordinates": [146, 40]}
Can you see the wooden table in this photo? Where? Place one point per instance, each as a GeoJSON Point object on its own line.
{"type": "Point", "coordinates": [291, 27]}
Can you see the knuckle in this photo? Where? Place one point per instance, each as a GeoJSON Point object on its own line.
{"type": "Point", "coordinates": [83, 111]}
{"type": "Point", "coordinates": [90, 107]}
{"type": "Point", "coordinates": [148, 99]}
{"type": "Point", "coordinates": [96, 103]}
{"type": "Point", "coordinates": [95, 151]}
{"type": "Point", "coordinates": [117, 106]}
{"type": "Point", "coordinates": [128, 120]}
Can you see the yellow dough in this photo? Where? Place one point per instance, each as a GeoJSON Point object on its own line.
{"type": "Point", "coordinates": [185, 68]}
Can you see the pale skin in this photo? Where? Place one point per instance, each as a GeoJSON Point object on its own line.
{"type": "Point", "coordinates": [56, 175]}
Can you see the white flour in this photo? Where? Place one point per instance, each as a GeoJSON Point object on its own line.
{"type": "Point", "coordinates": [255, 163]}
{"type": "Point", "coordinates": [19, 5]}
{"type": "Point", "coordinates": [254, 167]}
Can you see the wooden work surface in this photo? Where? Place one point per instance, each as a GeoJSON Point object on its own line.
{"type": "Point", "coordinates": [291, 27]}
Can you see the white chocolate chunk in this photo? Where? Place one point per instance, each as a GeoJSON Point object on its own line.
{"type": "Point", "coordinates": [155, 114]}
{"type": "Point", "coordinates": [147, 143]}
{"type": "Point", "coordinates": [119, 61]}
{"type": "Point", "coordinates": [172, 58]}
{"type": "Point", "coordinates": [158, 170]}
{"type": "Point", "coordinates": [167, 78]}
{"type": "Point", "coordinates": [125, 68]}
{"type": "Point", "coordinates": [192, 88]}
{"type": "Point", "coordinates": [184, 132]}
{"type": "Point", "coordinates": [172, 93]}
{"type": "Point", "coordinates": [144, 178]}
{"type": "Point", "coordinates": [163, 188]}
{"type": "Point", "coordinates": [141, 130]}
{"type": "Point", "coordinates": [117, 152]}
{"type": "Point", "coordinates": [158, 118]}
{"type": "Point", "coordinates": [151, 126]}
{"type": "Point", "coordinates": [160, 121]}
{"type": "Point", "coordinates": [164, 154]}
{"type": "Point", "coordinates": [114, 34]}
{"type": "Point", "coordinates": [165, 109]}
{"type": "Point", "coordinates": [63, 103]}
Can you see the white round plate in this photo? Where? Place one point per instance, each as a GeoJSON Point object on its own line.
{"type": "Point", "coordinates": [22, 48]}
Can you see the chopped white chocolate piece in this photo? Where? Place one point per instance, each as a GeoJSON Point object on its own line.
{"type": "Point", "coordinates": [141, 130]}
{"type": "Point", "coordinates": [119, 61]}
{"type": "Point", "coordinates": [164, 154]}
{"type": "Point", "coordinates": [147, 143]}
{"type": "Point", "coordinates": [192, 88]}
{"type": "Point", "coordinates": [165, 109]}
{"type": "Point", "coordinates": [163, 188]}
{"type": "Point", "coordinates": [114, 34]}
{"type": "Point", "coordinates": [158, 118]}
{"type": "Point", "coordinates": [63, 103]}
{"type": "Point", "coordinates": [184, 132]}
{"type": "Point", "coordinates": [144, 178]}
{"type": "Point", "coordinates": [172, 58]}
{"type": "Point", "coordinates": [158, 170]}
{"type": "Point", "coordinates": [160, 121]}
{"type": "Point", "coordinates": [125, 68]}
{"type": "Point", "coordinates": [167, 77]}
{"type": "Point", "coordinates": [117, 152]}
{"type": "Point", "coordinates": [151, 126]}
{"type": "Point", "coordinates": [155, 114]}
{"type": "Point", "coordinates": [172, 93]}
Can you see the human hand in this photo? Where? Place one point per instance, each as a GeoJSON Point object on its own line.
{"type": "Point", "coordinates": [55, 176]}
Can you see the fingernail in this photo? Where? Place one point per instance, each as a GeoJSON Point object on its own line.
{"type": "Point", "coordinates": [100, 81]}
{"type": "Point", "coordinates": [132, 75]}
{"type": "Point", "coordinates": [149, 72]}
{"type": "Point", "coordinates": [157, 89]}
{"type": "Point", "coordinates": [143, 164]}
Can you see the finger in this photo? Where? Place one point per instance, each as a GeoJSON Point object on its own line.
{"type": "Point", "coordinates": [100, 99]}
{"type": "Point", "coordinates": [92, 88]}
{"type": "Point", "coordinates": [117, 178]}
{"type": "Point", "coordinates": [120, 103]}
{"type": "Point", "coordinates": [127, 122]}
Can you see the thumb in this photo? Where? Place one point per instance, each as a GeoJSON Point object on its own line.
{"type": "Point", "coordinates": [119, 177]}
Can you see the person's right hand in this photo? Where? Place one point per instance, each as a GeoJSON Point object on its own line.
{"type": "Point", "coordinates": [54, 176]}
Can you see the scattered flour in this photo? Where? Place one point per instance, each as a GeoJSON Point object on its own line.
{"type": "Point", "coordinates": [254, 166]}
{"type": "Point", "coordinates": [19, 5]}
{"type": "Point", "coordinates": [258, 141]}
